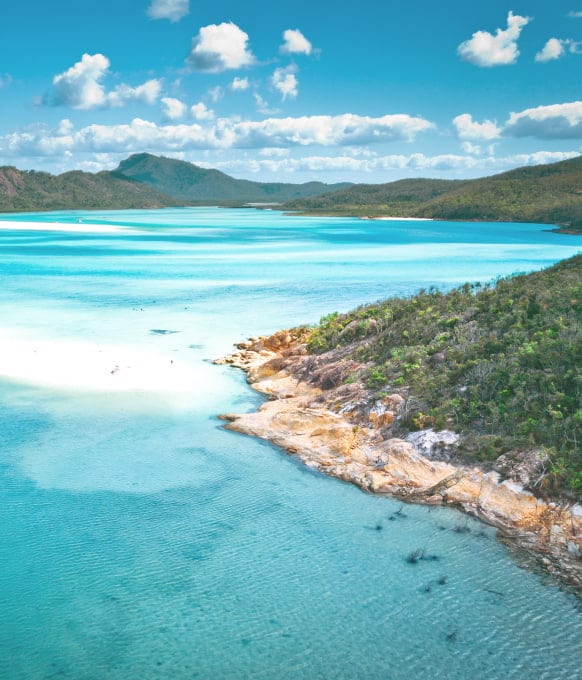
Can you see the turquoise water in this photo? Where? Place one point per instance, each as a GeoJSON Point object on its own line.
{"type": "Point", "coordinates": [141, 540]}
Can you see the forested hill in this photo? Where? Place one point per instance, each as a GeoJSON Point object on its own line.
{"type": "Point", "coordinates": [544, 193]}
{"type": "Point", "coordinates": [141, 181]}
{"type": "Point", "coordinates": [501, 365]}
{"type": "Point", "coordinates": [30, 190]}
{"type": "Point", "coordinates": [191, 183]}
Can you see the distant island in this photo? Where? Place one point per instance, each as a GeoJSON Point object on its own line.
{"type": "Point", "coordinates": [142, 181]}
{"type": "Point", "coordinates": [549, 194]}
{"type": "Point", "coordinates": [471, 398]}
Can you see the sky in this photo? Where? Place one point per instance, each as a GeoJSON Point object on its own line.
{"type": "Point", "coordinates": [332, 90]}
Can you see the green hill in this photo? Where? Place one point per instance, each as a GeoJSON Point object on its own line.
{"type": "Point", "coordinates": [544, 193]}
{"type": "Point", "coordinates": [30, 190]}
{"type": "Point", "coordinates": [192, 184]}
{"type": "Point", "coordinates": [501, 365]}
{"type": "Point", "coordinates": [395, 198]}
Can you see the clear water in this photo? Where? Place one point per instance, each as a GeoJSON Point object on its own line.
{"type": "Point", "coordinates": [141, 540]}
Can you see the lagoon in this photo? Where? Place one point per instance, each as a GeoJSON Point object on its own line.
{"type": "Point", "coordinates": [141, 540]}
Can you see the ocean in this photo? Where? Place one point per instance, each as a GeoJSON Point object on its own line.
{"type": "Point", "coordinates": [139, 539]}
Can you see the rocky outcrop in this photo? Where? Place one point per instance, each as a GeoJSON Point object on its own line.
{"type": "Point", "coordinates": [335, 428]}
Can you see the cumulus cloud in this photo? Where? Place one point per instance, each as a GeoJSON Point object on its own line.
{"type": "Point", "coordinates": [225, 133]}
{"type": "Point", "coordinates": [201, 112]}
{"type": "Point", "coordinates": [553, 49]}
{"type": "Point", "coordinates": [467, 128]}
{"type": "Point", "coordinates": [239, 84]}
{"type": "Point", "coordinates": [295, 43]}
{"type": "Point", "coordinates": [470, 148]}
{"type": "Point", "coordinates": [216, 93]}
{"type": "Point", "coordinates": [173, 109]}
{"type": "Point", "coordinates": [174, 10]}
{"type": "Point", "coordinates": [486, 49]}
{"type": "Point", "coordinates": [556, 121]}
{"type": "Point", "coordinates": [411, 164]}
{"type": "Point", "coordinates": [285, 80]}
{"type": "Point", "coordinates": [575, 15]}
{"type": "Point", "coordinates": [5, 80]}
{"type": "Point", "coordinates": [147, 93]}
{"type": "Point", "coordinates": [263, 106]}
{"type": "Point", "coordinates": [81, 87]}
{"type": "Point", "coordinates": [219, 47]}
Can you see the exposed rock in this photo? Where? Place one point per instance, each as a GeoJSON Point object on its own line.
{"type": "Point", "coordinates": [524, 467]}
{"type": "Point", "coordinates": [434, 445]}
{"type": "Point", "coordinates": [335, 429]}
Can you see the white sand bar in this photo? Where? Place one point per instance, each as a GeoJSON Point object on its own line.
{"type": "Point", "coordinates": [402, 219]}
{"type": "Point", "coordinates": [92, 366]}
{"type": "Point", "coordinates": [79, 227]}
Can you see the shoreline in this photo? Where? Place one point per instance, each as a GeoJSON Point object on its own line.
{"type": "Point", "coordinates": [66, 227]}
{"type": "Point", "coordinates": [303, 421]}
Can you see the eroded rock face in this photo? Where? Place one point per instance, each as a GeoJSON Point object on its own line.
{"type": "Point", "coordinates": [337, 430]}
{"type": "Point", "coordinates": [524, 467]}
{"type": "Point", "coordinates": [434, 445]}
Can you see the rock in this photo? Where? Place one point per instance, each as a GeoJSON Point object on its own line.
{"type": "Point", "coordinates": [434, 445]}
{"type": "Point", "coordinates": [524, 467]}
{"type": "Point", "coordinates": [327, 430]}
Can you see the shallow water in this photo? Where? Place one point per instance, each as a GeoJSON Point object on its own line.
{"type": "Point", "coordinates": [141, 540]}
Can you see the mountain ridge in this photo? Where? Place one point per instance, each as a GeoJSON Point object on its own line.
{"type": "Point", "coordinates": [550, 193]}
{"type": "Point", "coordinates": [190, 182]}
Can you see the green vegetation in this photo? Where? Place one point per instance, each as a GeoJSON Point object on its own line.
{"type": "Point", "coordinates": [544, 193]}
{"type": "Point", "coordinates": [140, 181]}
{"type": "Point", "coordinates": [190, 183]}
{"type": "Point", "coordinates": [500, 364]}
{"type": "Point", "coordinates": [24, 191]}
{"type": "Point", "coordinates": [398, 199]}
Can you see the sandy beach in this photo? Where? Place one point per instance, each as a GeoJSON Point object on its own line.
{"type": "Point", "coordinates": [78, 228]}
{"type": "Point", "coordinates": [92, 366]}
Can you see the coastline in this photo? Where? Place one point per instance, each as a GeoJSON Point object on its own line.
{"type": "Point", "coordinates": [306, 421]}
{"type": "Point", "coordinates": [66, 227]}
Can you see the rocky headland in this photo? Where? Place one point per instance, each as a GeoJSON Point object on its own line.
{"type": "Point", "coordinates": [342, 429]}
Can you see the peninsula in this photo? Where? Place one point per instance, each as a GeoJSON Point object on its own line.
{"type": "Point", "coordinates": [470, 398]}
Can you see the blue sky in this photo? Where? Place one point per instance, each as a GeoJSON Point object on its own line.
{"type": "Point", "coordinates": [334, 90]}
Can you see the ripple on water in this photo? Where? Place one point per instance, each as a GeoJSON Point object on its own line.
{"type": "Point", "coordinates": [140, 540]}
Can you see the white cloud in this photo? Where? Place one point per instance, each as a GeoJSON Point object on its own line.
{"type": "Point", "coordinates": [80, 87]}
{"type": "Point", "coordinates": [224, 133]}
{"type": "Point", "coordinates": [146, 93]}
{"type": "Point", "coordinates": [219, 47]}
{"type": "Point", "coordinates": [575, 15]}
{"type": "Point", "coordinates": [408, 164]}
{"type": "Point", "coordinates": [263, 106]}
{"type": "Point", "coordinates": [216, 93]}
{"type": "Point", "coordinates": [467, 128]}
{"type": "Point", "coordinates": [486, 49]}
{"type": "Point", "coordinates": [285, 80]}
{"type": "Point", "coordinates": [556, 121]}
{"type": "Point", "coordinates": [295, 43]}
{"type": "Point", "coordinates": [273, 152]}
{"type": "Point", "coordinates": [173, 109]}
{"type": "Point", "coordinates": [5, 80]}
{"type": "Point", "coordinates": [174, 10]}
{"type": "Point", "coordinates": [201, 112]}
{"type": "Point", "coordinates": [239, 84]}
{"type": "Point", "coordinates": [473, 149]}
{"type": "Point", "coordinates": [553, 49]}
